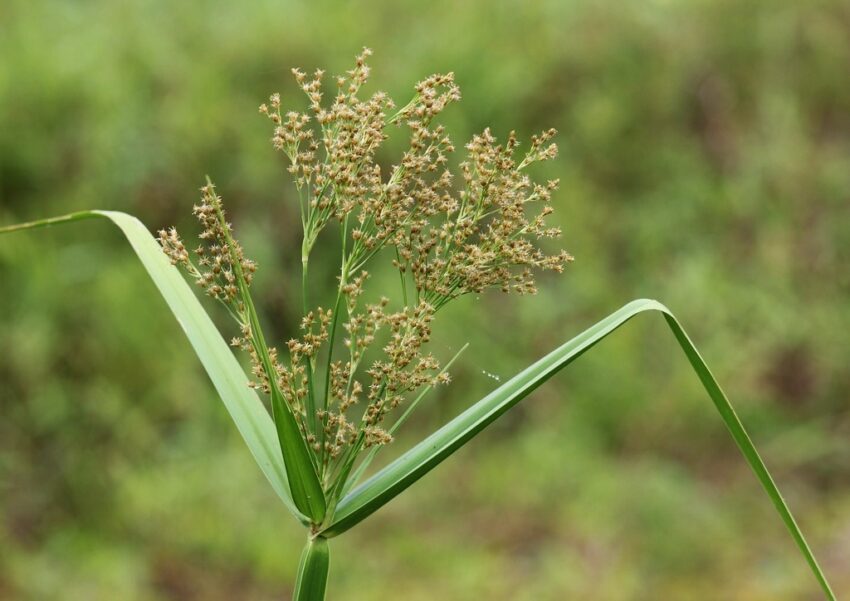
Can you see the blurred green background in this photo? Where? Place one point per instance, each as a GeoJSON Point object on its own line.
{"type": "Point", "coordinates": [705, 161]}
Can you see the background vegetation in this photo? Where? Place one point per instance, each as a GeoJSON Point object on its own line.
{"type": "Point", "coordinates": [705, 161]}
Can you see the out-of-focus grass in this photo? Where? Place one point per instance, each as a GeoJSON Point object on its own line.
{"type": "Point", "coordinates": [705, 148]}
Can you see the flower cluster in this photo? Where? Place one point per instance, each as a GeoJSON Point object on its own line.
{"type": "Point", "coordinates": [448, 237]}
{"type": "Point", "coordinates": [486, 239]}
{"type": "Point", "coordinates": [221, 260]}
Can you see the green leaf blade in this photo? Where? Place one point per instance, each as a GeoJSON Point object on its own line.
{"type": "Point", "coordinates": [419, 460]}
{"type": "Point", "coordinates": [304, 484]}
{"type": "Point", "coordinates": [244, 406]}
{"type": "Point", "coordinates": [415, 463]}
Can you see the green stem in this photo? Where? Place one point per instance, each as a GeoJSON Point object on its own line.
{"type": "Point", "coordinates": [331, 337]}
{"type": "Point", "coordinates": [304, 268]}
{"type": "Point", "coordinates": [343, 280]}
{"type": "Point", "coordinates": [401, 276]}
{"type": "Point", "coordinates": [312, 579]}
{"type": "Point", "coordinates": [310, 400]}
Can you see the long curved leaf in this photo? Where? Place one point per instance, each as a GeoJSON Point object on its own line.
{"type": "Point", "coordinates": [251, 418]}
{"type": "Point", "coordinates": [418, 461]}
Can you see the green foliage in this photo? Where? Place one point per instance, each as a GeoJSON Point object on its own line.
{"type": "Point", "coordinates": [310, 585]}
{"type": "Point", "coordinates": [705, 160]}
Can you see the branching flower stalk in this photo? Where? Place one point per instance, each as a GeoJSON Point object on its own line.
{"type": "Point", "coordinates": [445, 241]}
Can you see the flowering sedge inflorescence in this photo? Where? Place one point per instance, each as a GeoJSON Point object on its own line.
{"type": "Point", "coordinates": [447, 239]}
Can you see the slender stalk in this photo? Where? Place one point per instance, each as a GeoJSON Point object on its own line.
{"type": "Point", "coordinates": [310, 400]}
{"type": "Point", "coordinates": [343, 280]}
{"type": "Point", "coordinates": [326, 396]}
{"type": "Point", "coordinates": [401, 277]}
{"type": "Point", "coordinates": [312, 579]}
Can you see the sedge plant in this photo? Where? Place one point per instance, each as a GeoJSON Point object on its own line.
{"type": "Point", "coordinates": [317, 409]}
